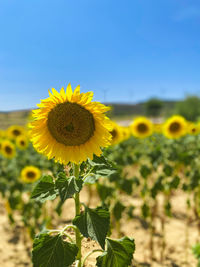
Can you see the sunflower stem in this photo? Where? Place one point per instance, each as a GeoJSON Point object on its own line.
{"type": "Point", "coordinates": [77, 212]}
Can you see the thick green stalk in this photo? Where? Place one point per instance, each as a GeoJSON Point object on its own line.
{"type": "Point", "coordinates": [77, 210]}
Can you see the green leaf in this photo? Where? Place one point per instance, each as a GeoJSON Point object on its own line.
{"type": "Point", "coordinates": [67, 187]}
{"type": "Point", "coordinates": [119, 253]}
{"type": "Point", "coordinates": [117, 210]}
{"type": "Point", "coordinates": [94, 223]}
{"type": "Point", "coordinates": [168, 170]}
{"type": "Point", "coordinates": [101, 166]}
{"type": "Point", "coordinates": [91, 179]}
{"type": "Point", "coordinates": [104, 191]}
{"type": "Point", "coordinates": [44, 189]}
{"type": "Point", "coordinates": [51, 251]}
{"type": "Point", "coordinates": [145, 210]}
{"type": "Point", "coordinates": [145, 171]}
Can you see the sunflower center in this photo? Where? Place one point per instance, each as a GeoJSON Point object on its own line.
{"type": "Point", "coordinates": [142, 128]}
{"type": "Point", "coordinates": [113, 133]}
{"type": "Point", "coordinates": [8, 149]}
{"type": "Point", "coordinates": [31, 174]}
{"type": "Point", "coordinates": [175, 127]}
{"type": "Point", "coordinates": [71, 124]}
{"type": "Point", "coordinates": [193, 130]}
{"type": "Point", "coordinates": [22, 143]}
{"type": "Point", "coordinates": [16, 132]}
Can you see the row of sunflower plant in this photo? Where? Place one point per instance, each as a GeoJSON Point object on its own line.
{"type": "Point", "coordinates": [158, 166]}
{"type": "Point", "coordinates": [20, 167]}
{"type": "Point", "coordinates": [71, 130]}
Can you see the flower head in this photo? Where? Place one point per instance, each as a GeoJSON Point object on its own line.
{"type": "Point", "coordinates": [30, 174]}
{"type": "Point", "coordinates": [141, 127]}
{"type": "Point", "coordinates": [8, 149]}
{"type": "Point", "coordinates": [175, 127]}
{"type": "Point", "coordinates": [68, 126]}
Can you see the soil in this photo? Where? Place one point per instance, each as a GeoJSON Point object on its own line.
{"type": "Point", "coordinates": [15, 250]}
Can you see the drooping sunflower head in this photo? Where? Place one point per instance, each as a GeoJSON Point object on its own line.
{"type": "Point", "coordinates": [193, 128]}
{"type": "Point", "coordinates": [116, 134]}
{"type": "Point", "coordinates": [14, 131]}
{"type": "Point", "coordinates": [175, 127]}
{"type": "Point", "coordinates": [30, 174]}
{"type": "Point", "coordinates": [141, 127]}
{"type": "Point", "coordinates": [22, 142]}
{"type": "Point", "coordinates": [8, 149]}
{"type": "Point", "coordinates": [68, 126]}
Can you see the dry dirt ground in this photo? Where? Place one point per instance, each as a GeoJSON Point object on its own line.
{"type": "Point", "coordinates": [15, 250]}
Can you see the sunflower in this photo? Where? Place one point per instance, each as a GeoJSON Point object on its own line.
{"type": "Point", "coordinates": [68, 126]}
{"type": "Point", "coordinates": [30, 174]}
{"type": "Point", "coordinates": [14, 131]}
{"type": "Point", "coordinates": [116, 133]}
{"type": "Point", "coordinates": [22, 142]}
{"type": "Point", "coordinates": [2, 133]}
{"type": "Point", "coordinates": [1, 140]}
{"type": "Point", "coordinates": [157, 127]}
{"type": "Point", "coordinates": [8, 149]}
{"type": "Point", "coordinates": [193, 128]}
{"type": "Point", "coordinates": [141, 127]}
{"type": "Point", "coordinates": [175, 127]}
{"type": "Point", "coordinates": [125, 131]}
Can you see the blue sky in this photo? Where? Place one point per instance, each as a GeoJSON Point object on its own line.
{"type": "Point", "coordinates": [125, 51]}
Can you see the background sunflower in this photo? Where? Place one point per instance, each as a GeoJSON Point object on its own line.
{"type": "Point", "coordinates": [141, 127]}
{"type": "Point", "coordinates": [22, 142]}
{"type": "Point", "coordinates": [175, 127]}
{"type": "Point", "coordinates": [8, 149]}
{"type": "Point", "coordinates": [30, 174]}
{"type": "Point", "coordinates": [14, 131]}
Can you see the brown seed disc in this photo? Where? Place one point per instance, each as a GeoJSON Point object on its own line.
{"type": "Point", "coordinates": [71, 124]}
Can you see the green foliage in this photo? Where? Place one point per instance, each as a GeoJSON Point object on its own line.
{"type": "Point", "coordinates": [104, 191]}
{"type": "Point", "coordinates": [117, 210]}
{"type": "Point", "coordinates": [44, 189]}
{"type": "Point", "coordinates": [67, 187]}
{"type": "Point", "coordinates": [189, 108]}
{"type": "Point", "coordinates": [153, 107]}
{"type": "Point", "coordinates": [196, 252]}
{"type": "Point", "coordinates": [119, 253]}
{"type": "Point", "coordinates": [51, 251]}
{"type": "Point", "coordinates": [145, 171]}
{"type": "Point", "coordinates": [94, 223]}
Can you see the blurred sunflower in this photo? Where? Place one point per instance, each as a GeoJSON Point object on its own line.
{"type": "Point", "coordinates": [1, 140]}
{"type": "Point", "coordinates": [69, 127]}
{"type": "Point", "coordinates": [125, 133]}
{"type": "Point", "coordinates": [30, 174]}
{"type": "Point", "coordinates": [8, 149]}
{"type": "Point", "coordinates": [157, 127]}
{"type": "Point", "coordinates": [22, 142]}
{"type": "Point", "coordinates": [2, 133]}
{"type": "Point", "coordinates": [14, 131]}
{"type": "Point", "coordinates": [141, 127]}
{"type": "Point", "coordinates": [193, 129]}
{"type": "Point", "coordinates": [116, 133]}
{"type": "Point", "coordinates": [175, 127]}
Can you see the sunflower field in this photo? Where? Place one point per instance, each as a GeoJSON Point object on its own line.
{"type": "Point", "coordinates": [82, 190]}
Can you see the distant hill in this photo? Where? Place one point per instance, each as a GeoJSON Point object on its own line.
{"type": "Point", "coordinates": [124, 110]}
{"type": "Point", "coordinates": [118, 111]}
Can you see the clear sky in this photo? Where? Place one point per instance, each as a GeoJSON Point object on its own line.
{"type": "Point", "coordinates": [125, 51]}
